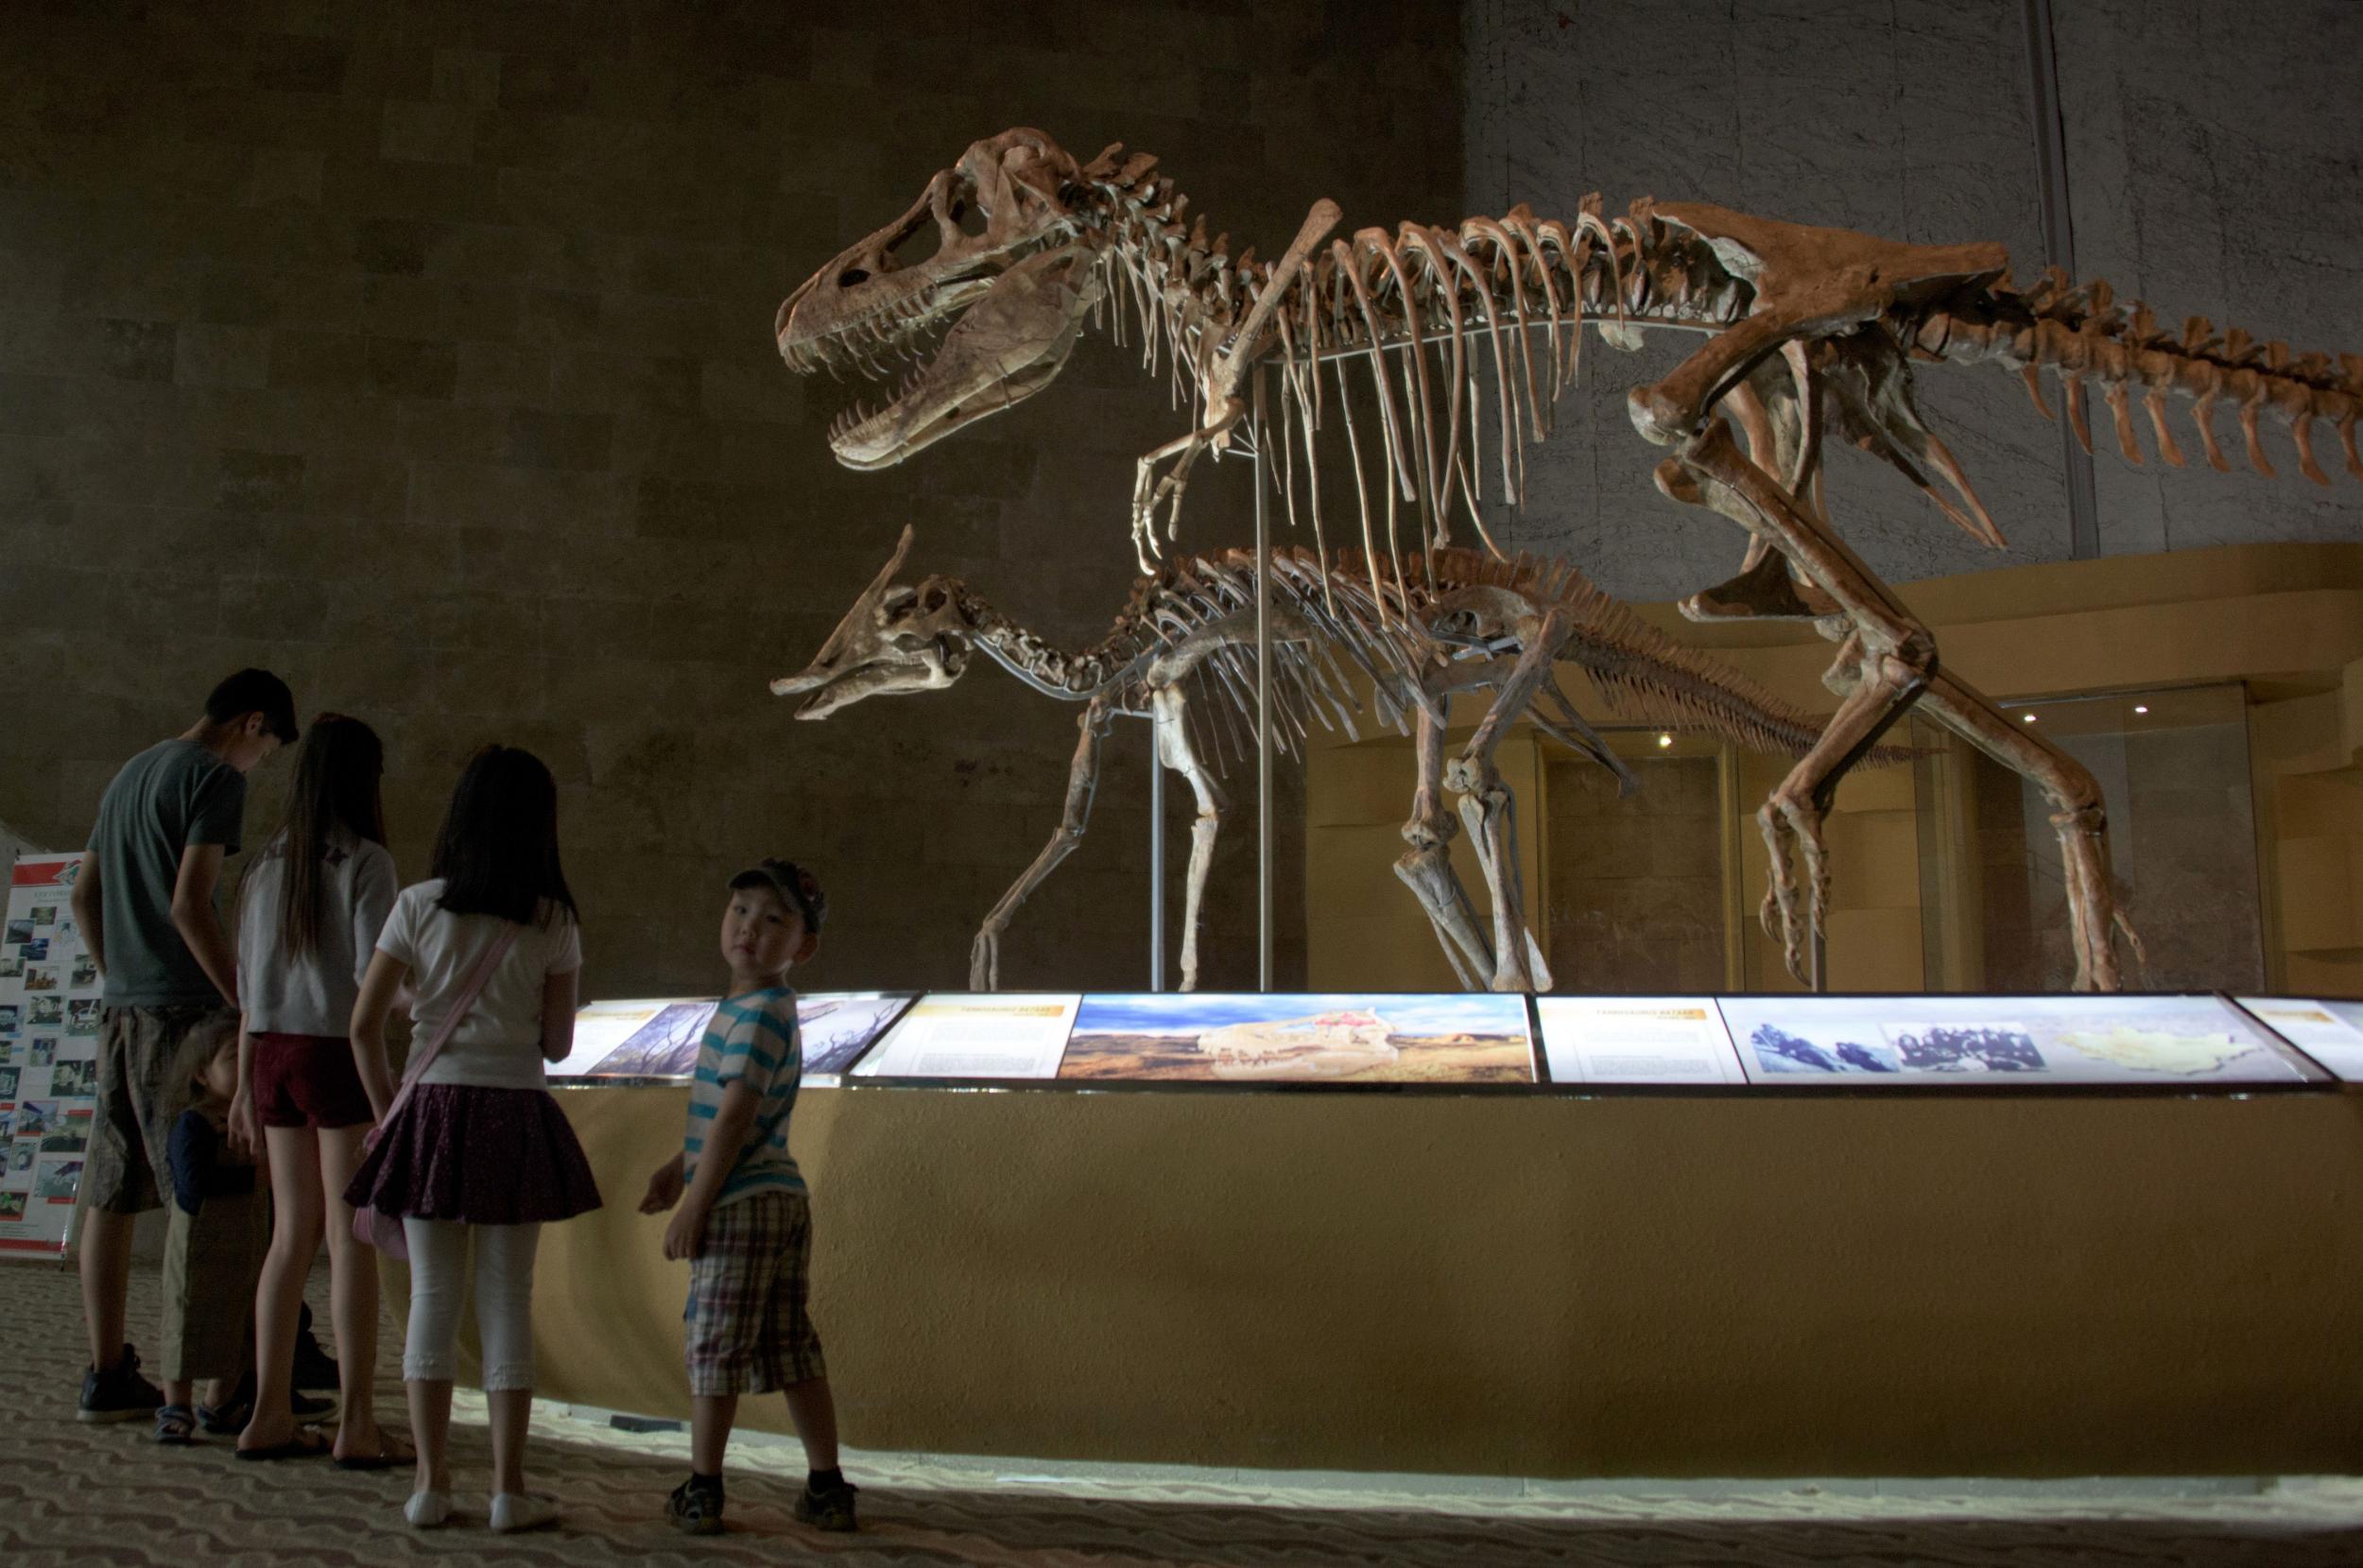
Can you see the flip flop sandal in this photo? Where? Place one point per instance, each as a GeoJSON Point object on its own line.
{"type": "Point", "coordinates": [390, 1454]}
{"type": "Point", "coordinates": [309, 1443]}
{"type": "Point", "coordinates": [224, 1420]}
{"type": "Point", "coordinates": [176, 1425]}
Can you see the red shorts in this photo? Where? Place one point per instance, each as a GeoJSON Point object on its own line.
{"type": "Point", "coordinates": [308, 1080]}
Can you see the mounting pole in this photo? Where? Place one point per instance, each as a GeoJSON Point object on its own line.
{"type": "Point", "coordinates": [1263, 700]}
{"type": "Point", "coordinates": [1156, 851]}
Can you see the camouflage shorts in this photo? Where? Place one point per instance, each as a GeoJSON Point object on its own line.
{"type": "Point", "coordinates": [147, 1058]}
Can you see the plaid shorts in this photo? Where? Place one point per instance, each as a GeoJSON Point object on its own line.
{"type": "Point", "coordinates": [147, 1058]}
{"type": "Point", "coordinates": [748, 1331]}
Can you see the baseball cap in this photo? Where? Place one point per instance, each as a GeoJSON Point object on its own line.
{"type": "Point", "coordinates": [793, 883]}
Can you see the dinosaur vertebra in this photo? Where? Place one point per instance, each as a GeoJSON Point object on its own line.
{"type": "Point", "coordinates": [1457, 621]}
{"type": "Point", "coordinates": [1809, 332]}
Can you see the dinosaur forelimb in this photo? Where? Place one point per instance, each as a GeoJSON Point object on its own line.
{"type": "Point", "coordinates": [1150, 492]}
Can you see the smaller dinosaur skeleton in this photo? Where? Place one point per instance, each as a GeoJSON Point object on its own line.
{"type": "Point", "coordinates": [1455, 620]}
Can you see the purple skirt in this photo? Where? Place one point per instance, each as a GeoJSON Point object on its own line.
{"type": "Point", "coordinates": [485, 1156]}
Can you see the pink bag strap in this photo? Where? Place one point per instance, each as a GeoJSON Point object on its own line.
{"type": "Point", "coordinates": [422, 1061]}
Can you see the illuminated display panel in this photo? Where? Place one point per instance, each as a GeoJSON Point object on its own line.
{"type": "Point", "coordinates": [2329, 1031]}
{"type": "Point", "coordinates": [1336, 1038]}
{"type": "Point", "coordinates": [659, 1037]}
{"type": "Point", "coordinates": [2004, 1040]}
{"type": "Point", "coordinates": [1003, 1034]}
{"type": "Point", "coordinates": [1637, 1040]}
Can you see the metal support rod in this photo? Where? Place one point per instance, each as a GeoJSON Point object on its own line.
{"type": "Point", "coordinates": [2059, 248]}
{"type": "Point", "coordinates": [1262, 698]}
{"type": "Point", "coordinates": [1156, 854]}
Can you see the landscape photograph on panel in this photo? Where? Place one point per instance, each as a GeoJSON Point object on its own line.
{"type": "Point", "coordinates": [659, 1037]}
{"type": "Point", "coordinates": [2005, 1039]}
{"type": "Point", "coordinates": [2329, 1031]}
{"type": "Point", "coordinates": [1344, 1037]}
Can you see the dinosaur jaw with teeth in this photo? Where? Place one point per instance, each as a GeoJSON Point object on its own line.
{"type": "Point", "coordinates": [1009, 335]}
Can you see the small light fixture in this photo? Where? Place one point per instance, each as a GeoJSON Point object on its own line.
{"type": "Point", "coordinates": [1666, 740]}
{"type": "Point", "coordinates": [2028, 719]}
{"type": "Point", "coordinates": [2141, 707]}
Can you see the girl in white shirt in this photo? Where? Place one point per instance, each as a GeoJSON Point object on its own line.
{"type": "Point", "coordinates": [480, 1151]}
{"type": "Point", "coordinates": [310, 913]}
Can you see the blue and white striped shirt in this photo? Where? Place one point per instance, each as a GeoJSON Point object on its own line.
{"type": "Point", "coordinates": [751, 1039]}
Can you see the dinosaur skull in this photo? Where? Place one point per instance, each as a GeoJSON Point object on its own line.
{"type": "Point", "coordinates": [896, 639]}
{"type": "Point", "coordinates": [1013, 274]}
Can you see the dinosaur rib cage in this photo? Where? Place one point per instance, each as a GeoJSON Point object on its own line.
{"type": "Point", "coordinates": [1195, 618]}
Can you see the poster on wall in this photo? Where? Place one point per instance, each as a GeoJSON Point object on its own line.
{"type": "Point", "coordinates": [975, 1036]}
{"type": "Point", "coordinates": [659, 1037]}
{"type": "Point", "coordinates": [49, 993]}
{"type": "Point", "coordinates": [2005, 1040]}
{"type": "Point", "coordinates": [2329, 1031]}
{"type": "Point", "coordinates": [1637, 1040]}
{"type": "Point", "coordinates": [1341, 1038]}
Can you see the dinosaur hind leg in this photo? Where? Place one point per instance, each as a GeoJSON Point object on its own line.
{"type": "Point", "coordinates": [1175, 751]}
{"type": "Point", "coordinates": [1875, 691]}
{"type": "Point", "coordinates": [984, 958]}
{"type": "Point", "coordinates": [1426, 868]}
{"type": "Point", "coordinates": [2079, 816]}
{"type": "Point", "coordinates": [1488, 807]}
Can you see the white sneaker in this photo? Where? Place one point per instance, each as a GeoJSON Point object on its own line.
{"type": "Point", "coordinates": [427, 1510]}
{"type": "Point", "coordinates": [523, 1511]}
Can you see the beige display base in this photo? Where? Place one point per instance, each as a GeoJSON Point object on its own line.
{"type": "Point", "coordinates": [1536, 1286]}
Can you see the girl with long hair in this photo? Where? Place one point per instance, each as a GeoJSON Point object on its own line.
{"type": "Point", "coordinates": [310, 913]}
{"type": "Point", "coordinates": [478, 1152]}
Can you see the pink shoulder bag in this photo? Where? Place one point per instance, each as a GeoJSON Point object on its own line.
{"type": "Point", "coordinates": [374, 1226]}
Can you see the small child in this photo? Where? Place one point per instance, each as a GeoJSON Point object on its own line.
{"type": "Point", "coordinates": [210, 1268]}
{"type": "Point", "coordinates": [746, 1224]}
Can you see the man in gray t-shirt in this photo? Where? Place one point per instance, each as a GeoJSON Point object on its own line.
{"type": "Point", "coordinates": [143, 897]}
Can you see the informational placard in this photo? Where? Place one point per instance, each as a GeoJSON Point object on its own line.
{"type": "Point", "coordinates": [2329, 1031]}
{"type": "Point", "coordinates": [1321, 1038]}
{"type": "Point", "coordinates": [959, 1035]}
{"type": "Point", "coordinates": [49, 991]}
{"type": "Point", "coordinates": [659, 1037]}
{"type": "Point", "coordinates": [1637, 1040]}
{"type": "Point", "coordinates": [2001, 1040]}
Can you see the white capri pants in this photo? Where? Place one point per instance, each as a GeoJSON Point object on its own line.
{"type": "Point", "coordinates": [504, 1300]}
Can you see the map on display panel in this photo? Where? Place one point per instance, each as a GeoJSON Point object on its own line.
{"type": "Point", "coordinates": [2001, 1040]}
{"type": "Point", "coordinates": [2329, 1031]}
{"type": "Point", "coordinates": [658, 1038]}
{"type": "Point", "coordinates": [1339, 1038]}
{"type": "Point", "coordinates": [49, 991]}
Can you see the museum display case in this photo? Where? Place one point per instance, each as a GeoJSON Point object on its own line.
{"type": "Point", "coordinates": [1463, 1040]}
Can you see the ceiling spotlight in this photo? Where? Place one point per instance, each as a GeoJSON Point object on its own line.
{"type": "Point", "coordinates": [1666, 740]}
{"type": "Point", "coordinates": [2028, 718]}
{"type": "Point", "coordinates": [2141, 707]}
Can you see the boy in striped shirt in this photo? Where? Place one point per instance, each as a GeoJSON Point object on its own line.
{"type": "Point", "coordinates": [745, 1223]}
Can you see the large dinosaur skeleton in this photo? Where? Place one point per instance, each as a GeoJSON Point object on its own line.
{"type": "Point", "coordinates": [1811, 335]}
{"type": "Point", "coordinates": [1453, 621]}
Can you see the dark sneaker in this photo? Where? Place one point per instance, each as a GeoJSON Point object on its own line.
{"type": "Point", "coordinates": [827, 1508]}
{"type": "Point", "coordinates": [696, 1506]}
{"type": "Point", "coordinates": [119, 1393]}
{"type": "Point", "coordinates": [313, 1367]}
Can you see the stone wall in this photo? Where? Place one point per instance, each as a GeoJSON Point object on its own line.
{"type": "Point", "coordinates": [2213, 167]}
{"type": "Point", "coordinates": [421, 350]}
